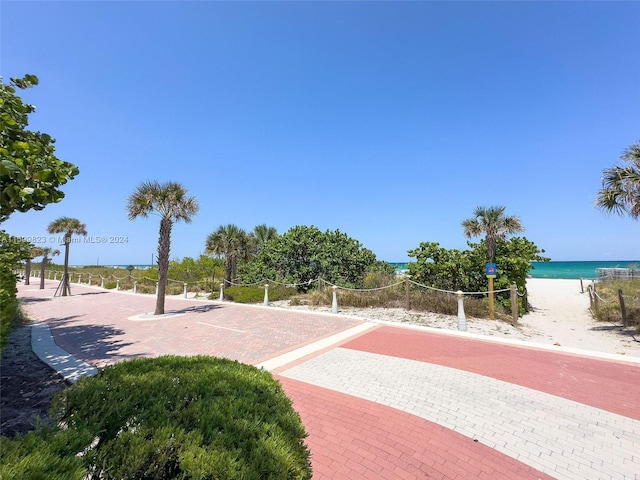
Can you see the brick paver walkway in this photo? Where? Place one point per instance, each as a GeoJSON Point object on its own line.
{"type": "Point", "coordinates": [393, 402]}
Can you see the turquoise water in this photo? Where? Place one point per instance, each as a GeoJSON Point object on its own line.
{"type": "Point", "coordinates": [575, 270]}
{"type": "Point", "coordinates": [568, 270]}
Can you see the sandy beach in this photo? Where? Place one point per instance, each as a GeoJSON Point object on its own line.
{"type": "Point", "coordinates": [560, 318]}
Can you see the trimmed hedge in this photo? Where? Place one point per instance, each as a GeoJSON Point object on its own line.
{"type": "Point", "coordinates": [184, 418]}
{"type": "Point", "coordinates": [256, 294]}
{"type": "Point", "coordinates": [8, 304]}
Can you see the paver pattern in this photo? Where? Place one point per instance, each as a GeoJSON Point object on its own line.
{"type": "Point", "coordinates": [353, 438]}
{"type": "Point", "coordinates": [610, 385]}
{"type": "Point", "coordinates": [95, 325]}
{"type": "Point", "coordinates": [392, 402]}
{"type": "Point", "coordinates": [554, 435]}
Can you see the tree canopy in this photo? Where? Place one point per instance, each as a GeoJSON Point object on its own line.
{"type": "Point", "coordinates": [30, 173]}
{"type": "Point", "coordinates": [494, 224]}
{"type": "Point", "coordinates": [620, 191]}
{"type": "Point", "coordinates": [305, 253]}
{"type": "Point", "coordinates": [231, 242]}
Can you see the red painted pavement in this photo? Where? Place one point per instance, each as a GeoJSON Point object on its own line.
{"type": "Point", "coordinates": [351, 438]}
{"type": "Point", "coordinates": [608, 385]}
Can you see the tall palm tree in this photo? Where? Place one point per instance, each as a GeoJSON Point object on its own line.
{"type": "Point", "coordinates": [68, 226]}
{"type": "Point", "coordinates": [231, 242]}
{"type": "Point", "coordinates": [171, 202]}
{"type": "Point", "coordinates": [621, 185]}
{"type": "Point", "coordinates": [261, 234]}
{"type": "Point", "coordinates": [44, 253]}
{"type": "Point", "coordinates": [492, 222]}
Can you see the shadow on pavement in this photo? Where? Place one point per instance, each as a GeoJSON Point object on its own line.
{"type": "Point", "coordinates": [96, 344]}
{"type": "Point", "coordinates": [198, 309]}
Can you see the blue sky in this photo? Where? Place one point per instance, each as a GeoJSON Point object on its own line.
{"type": "Point", "coordinates": [390, 121]}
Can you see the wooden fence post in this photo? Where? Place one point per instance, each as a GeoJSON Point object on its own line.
{"type": "Point", "coordinates": [623, 309]}
{"type": "Point", "coordinates": [406, 293]}
{"type": "Point", "coordinates": [515, 311]}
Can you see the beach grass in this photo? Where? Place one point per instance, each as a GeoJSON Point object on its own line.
{"type": "Point", "coordinates": [609, 308]}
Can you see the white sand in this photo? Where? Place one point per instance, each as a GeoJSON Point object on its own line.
{"type": "Point", "coordinates": [560, 317]}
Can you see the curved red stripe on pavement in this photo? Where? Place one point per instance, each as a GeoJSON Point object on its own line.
{"type": "Point", "coordinates": [605, 384]}
{"type": "Point", "coordinates": [351, 438]}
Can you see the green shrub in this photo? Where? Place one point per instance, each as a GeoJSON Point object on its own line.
{"type": "Point", "coordinates": [256, 294]}
{"type": "Point", "coordinates": [8, 304]}
{"type": "Point", "coordinates": [176, 417]}
{"type": "Point", "coordinates": [44, 454]}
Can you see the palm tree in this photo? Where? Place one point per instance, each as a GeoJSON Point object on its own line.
{"type": "Point", "coordinates": [492, 222]}
{"type": "Point", "coordinates": [261, 234]}
{"type": "Point", "coordinates": [170, 201]}
{"type": "Point", "coordinates": [44, 253]}
{"type": "Point", "coordinates": [68, 226]}
{"type": "Point", "coordinates": [231, 242]}
{"type": "Point", "coordinates": [621, 185]}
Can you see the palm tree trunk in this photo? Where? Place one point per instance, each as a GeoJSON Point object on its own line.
{"type": "Point", "coordinates": [234, 268]}
{"type": "Point", "coordinates": [43, 265]}
{"type": "Point", "coordinates": [66, 288]}
{"type": "Point", "coordinates": [228, 270]}
{"type": "Point", "coordinates": [27, 271]}
{"type": "Point", "coordinates": [164, 245]}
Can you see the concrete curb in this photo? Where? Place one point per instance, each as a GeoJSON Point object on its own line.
{"type": "Point", "coordinates": [68, 367]}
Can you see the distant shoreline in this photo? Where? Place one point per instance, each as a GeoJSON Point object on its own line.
{"type": "Point", "coordinates": [567, 270]}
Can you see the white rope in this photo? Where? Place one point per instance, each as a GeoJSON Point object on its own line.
{"type": "Point", "coordinates": [363, 289]}
{"type": "Point", "coordinates": [601, 299]}
{"type": "Point", "coordinates": [242, 284]}
{"type": "Point", "coordinates": [291, 285]}
{"type": "Point", "coordinates": [455, 293]}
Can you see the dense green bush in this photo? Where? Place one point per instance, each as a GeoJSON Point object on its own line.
{"type": "Point", "coordinates": [465, 269]}
{"type": "Point", "coordinates": [304, 254]}
{"type": "Point", "coordinates": [47, 453]}
{"type": "Point", "coordinates": [13, 250]}
{"type": "Point", "coordinates": [8, 303]}
{"type": "Point", "coordinates": [165, 418]}
{"type": "Point", "coordinates": [201, 270]}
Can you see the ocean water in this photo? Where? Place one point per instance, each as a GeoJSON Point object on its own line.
{"type": "Point", "coordinates": [566, 270]}
{"type": "Point", "coordinates": [573, 270]}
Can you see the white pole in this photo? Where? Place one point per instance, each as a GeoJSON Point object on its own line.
{"type": "Point", "coordinates": [222, 291]}
{"type": "Point", "coordinates": [462, 320]}
{"type": "Point", "coordinates": [334, 303]}
{"type": "Point", "coordinates": [266, 295]}
{"type": "Point", "coordinates": [185, 289]}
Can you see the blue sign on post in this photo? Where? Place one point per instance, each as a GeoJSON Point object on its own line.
{"type": "Point", "coordinates": [491, 270]}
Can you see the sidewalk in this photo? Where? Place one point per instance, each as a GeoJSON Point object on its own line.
{"type": "Point", "coordinates": [386, 401]}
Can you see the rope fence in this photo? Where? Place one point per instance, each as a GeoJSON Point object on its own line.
{"type": "Point", "coordinates": [625, 303]}
{"type": "Point", "coordinates": [148, 285]}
